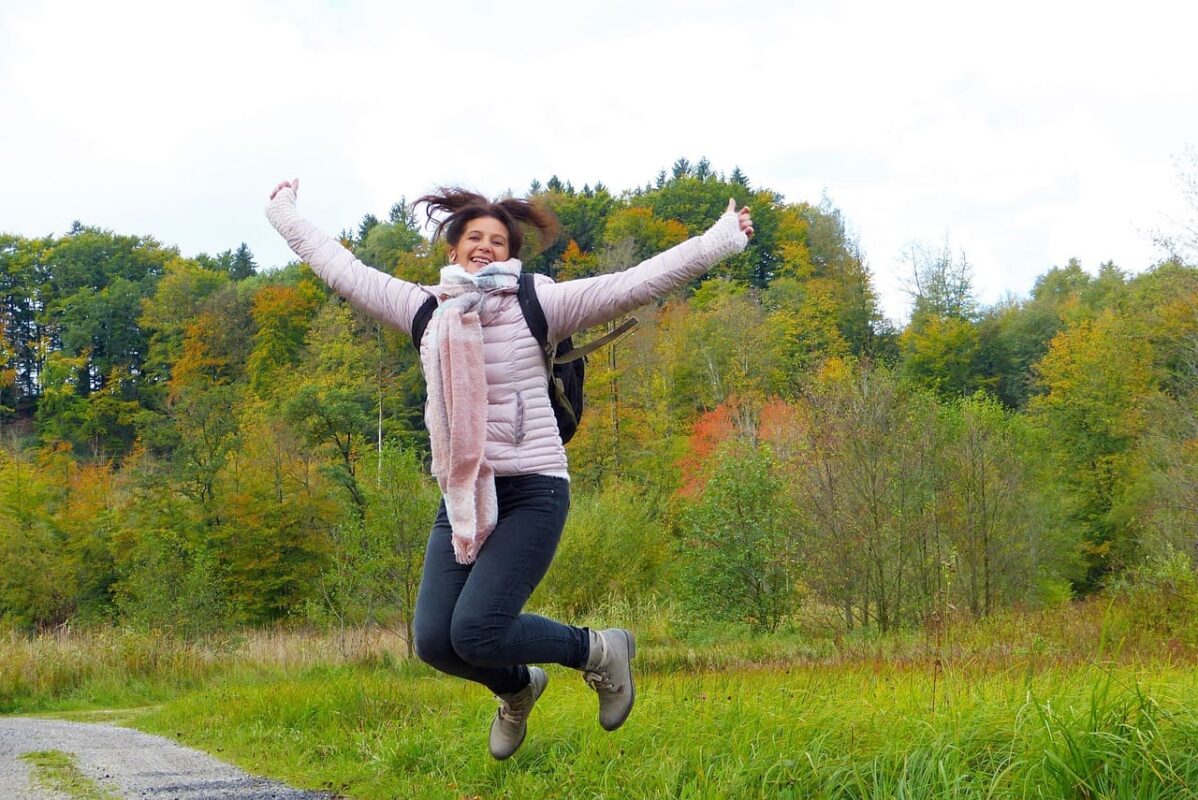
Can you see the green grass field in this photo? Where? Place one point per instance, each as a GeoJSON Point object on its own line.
{"type": "Point", "coordinates": [848, 732]}
{"type": "Point", "coordinates": [1033, 705]}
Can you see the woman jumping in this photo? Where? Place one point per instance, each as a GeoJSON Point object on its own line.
{"type": "Point", "coordinates": [497, 453]}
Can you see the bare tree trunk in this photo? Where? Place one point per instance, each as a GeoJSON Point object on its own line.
{"type": "Point", "coordinates": [614, 388]}
{"type": "Point", "coordinates": [379, 377]}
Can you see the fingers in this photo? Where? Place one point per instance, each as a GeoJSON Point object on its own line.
{"type": "Point", "coordinates": [746, 221]}
{"type": "Point", "coordinates": [292, 184]}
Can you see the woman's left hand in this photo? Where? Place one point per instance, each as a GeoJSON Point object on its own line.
{"type": "Point", "coordinates": [742, 217]}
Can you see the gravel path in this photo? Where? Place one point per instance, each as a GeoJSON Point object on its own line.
{"type": "Point", "coordinates": [135, 764]}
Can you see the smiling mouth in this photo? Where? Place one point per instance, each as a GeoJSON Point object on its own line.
{"type": "Point", "coordinates": [483, 260]}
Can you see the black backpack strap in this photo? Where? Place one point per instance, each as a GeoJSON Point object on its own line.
{"type": "Point", "coordinates": [534, 315]}
{"type": "Point", "coordinates": [420, 321]}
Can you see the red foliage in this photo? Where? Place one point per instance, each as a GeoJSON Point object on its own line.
{"type": "Point", "coordinates": [708, 432]}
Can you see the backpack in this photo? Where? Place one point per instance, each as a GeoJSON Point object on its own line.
{"type": "Point", "coordinates": [567, 365]}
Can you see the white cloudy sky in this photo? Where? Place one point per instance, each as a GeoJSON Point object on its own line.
{"type": "Point", "coordinates": [1024, 132]}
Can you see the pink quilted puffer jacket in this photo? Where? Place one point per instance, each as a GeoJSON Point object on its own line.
{"type": "Point", "coordinates": [522, 435]}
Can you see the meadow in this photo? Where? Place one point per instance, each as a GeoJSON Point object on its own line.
{"type": "Point", "coordinates": [1087, 700]}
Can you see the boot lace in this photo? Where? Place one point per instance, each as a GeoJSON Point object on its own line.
{"type": "Point", "coordinates": [515, 709]}
{"type": "Point", "coordinates": [601, 680]}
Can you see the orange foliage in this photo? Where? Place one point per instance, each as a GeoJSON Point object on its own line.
{"type": "Point", "coordinates": [708, 432]}
{"type": "Point", "coordinates": [576, 263]}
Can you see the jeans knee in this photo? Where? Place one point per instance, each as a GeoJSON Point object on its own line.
{"type": "Point", "coordinates": [476, 642]}
{"type": "Point", "coordinates": [434, 649]}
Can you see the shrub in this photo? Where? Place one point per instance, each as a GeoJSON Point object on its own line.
{"type": "Point", "coordinates": [737, 561]}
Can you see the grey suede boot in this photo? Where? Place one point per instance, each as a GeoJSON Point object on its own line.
{"type": "Point", "coordinates": [609, 672]}
{"type": "Point", "coordinates": [511, 720]}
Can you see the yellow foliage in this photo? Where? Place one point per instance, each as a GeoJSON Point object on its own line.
{"type": "Point", "coordinates": [651, 234]}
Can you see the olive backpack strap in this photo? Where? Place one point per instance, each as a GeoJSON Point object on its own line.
{"type": "Point", "coordinates": [534, 315]}
{"type": "Point", "coordinates": [593, 345]}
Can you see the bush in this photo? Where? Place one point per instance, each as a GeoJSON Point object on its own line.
{"type": "Point", "coordinates": [1161, 597]}
{"type": "Point", "coordinates": [612, 552]}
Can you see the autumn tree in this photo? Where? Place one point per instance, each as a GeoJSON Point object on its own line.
{"type": "Point", "coordinates": [1097, 380]}
{"type": "Point", "coordinates": [281, 316]}
{"type": "Point", "coordinates": [178, 298]}
{"type": "Point", "coordinates": [941, 348]}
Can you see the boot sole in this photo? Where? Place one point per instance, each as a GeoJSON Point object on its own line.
{"type": "Point", "coordinates": [630, 640]}
{"type": "Point", "coordinates": [514, 749]}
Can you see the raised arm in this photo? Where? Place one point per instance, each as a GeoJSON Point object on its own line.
{"type": "Point", "coordinates": [574, 305]}
{"type": "Point", "coordinates": [384, 297]}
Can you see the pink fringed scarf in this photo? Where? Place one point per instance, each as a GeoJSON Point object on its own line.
{"type": "Point", "coordinates": [456, 413]}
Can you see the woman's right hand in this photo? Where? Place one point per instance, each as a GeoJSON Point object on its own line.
{"type": "Point", "coordinates": [292, 184]}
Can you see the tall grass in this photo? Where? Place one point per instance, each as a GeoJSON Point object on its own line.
{"type": "Point", "coordinates": [66, 668]}
{"type": "Point", "coordinates": [121, 666]}
{"type": "Point", "coordinates": [1089, 700]}
{"type": "Point", "coordinates": [852, 732]}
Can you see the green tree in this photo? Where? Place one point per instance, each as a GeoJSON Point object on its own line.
{"type": "Point", "coordinates": [243, 265]}
{"type": "Point", "coordinates": [35, 579]}
{"type": "Point", "coordinates": [275, 509]}
{"type": "Point", "coordinates": [583, 219]}
{"type": "Point", "coordinates": [944, 353]}
{"type": "Point", "coordinates": [866, 479]}
{"type": "Point", "coordinates": [737, 563]}
{"type": "Point", "coordinates": [169, 572]}
{"type": "Point", "coordinates": [384, 243]}
{"type": "Point", "coordinates": [25, 289]}
{"type": "Point", "coordinates": [99, 280]}
{"type": "Point", "coordinates": [331, 405]}
{"type": "Point", "coordinates": [941, 347]}
{"type": "Point", "coordinates": [374, 566]}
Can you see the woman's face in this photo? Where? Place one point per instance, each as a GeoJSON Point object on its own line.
{"type": "Point", "coordinates": [484, 240]}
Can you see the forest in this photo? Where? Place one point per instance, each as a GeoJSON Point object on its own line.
{"type": "Point", "coordinates": [195, 443]}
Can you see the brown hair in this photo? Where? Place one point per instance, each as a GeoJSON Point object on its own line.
{"type": "Point", "coordinates": [464, 206]}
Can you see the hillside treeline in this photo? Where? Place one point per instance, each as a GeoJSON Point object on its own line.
{"type": "Point", "coordinates": [196, 442]}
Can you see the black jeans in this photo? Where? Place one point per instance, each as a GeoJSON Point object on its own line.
{"type": "Point", "coordinates": [468, 621]}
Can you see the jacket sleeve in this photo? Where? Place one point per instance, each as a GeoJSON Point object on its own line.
{"type": "Point", "coordinates": [388, 299]}
{"type": "Point", "coordinates": [571, 306]}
